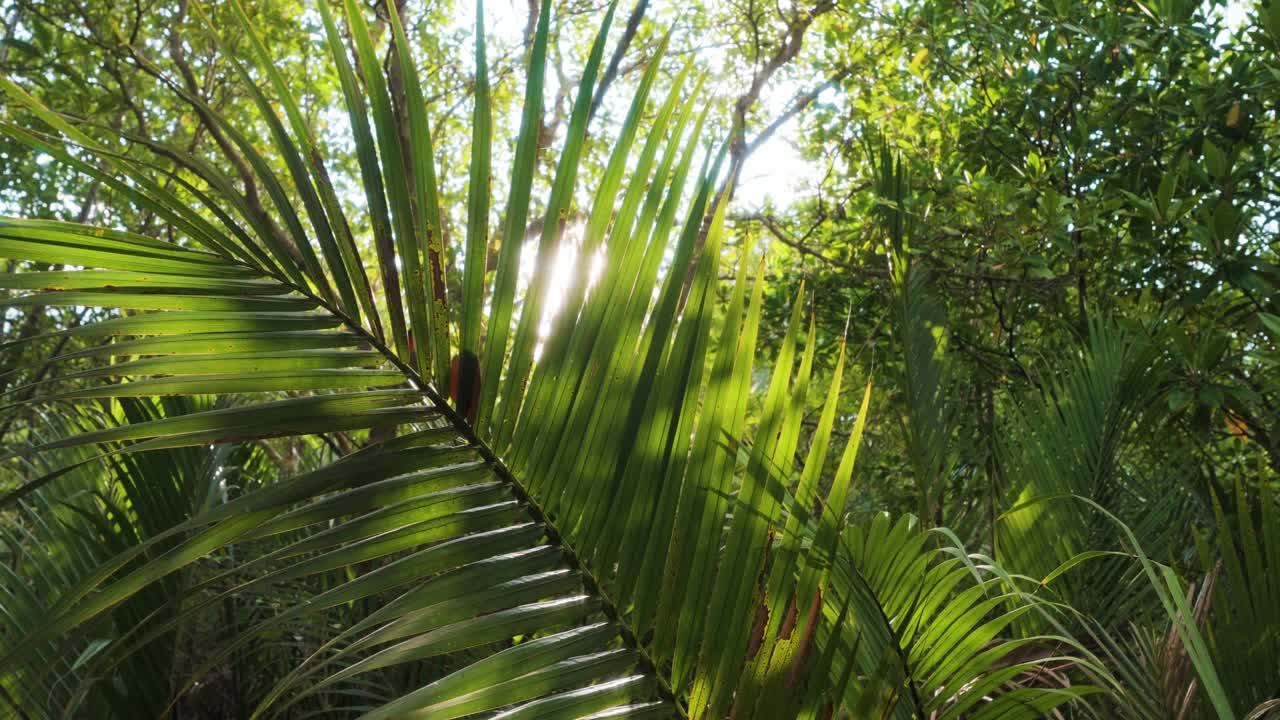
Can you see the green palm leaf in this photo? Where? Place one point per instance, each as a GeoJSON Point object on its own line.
{"type": "Point", "coordinates": [420, 560]}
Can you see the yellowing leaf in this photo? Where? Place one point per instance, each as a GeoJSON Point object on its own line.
{"type": "Point", "coordinates": [918, 61]}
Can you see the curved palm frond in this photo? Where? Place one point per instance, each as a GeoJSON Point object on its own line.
{"type": "Point", "coordinates": [1069, 439]}
{"type": "Point", "coordinates": [561, 534]}
{"type": "Point", "coordinates": [927, 627]}
{"type": "Point", "coordinates": [1242, 604]}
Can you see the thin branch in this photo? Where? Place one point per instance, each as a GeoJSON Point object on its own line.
{"type": "Point", "coordinates": [193, 91]}
{"type": "Point", "coordinates": [792, 41]}
{"type": "Point", "coordinates": [620, 52]}
{"type": "Point", "coordinates": [775, 229]}
{"type": "Point", "coordinates": [797, 106]}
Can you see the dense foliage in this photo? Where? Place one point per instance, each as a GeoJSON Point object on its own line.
{"type": "Point", "coordinates": [435, 359]}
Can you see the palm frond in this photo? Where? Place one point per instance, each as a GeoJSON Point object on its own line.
{"type": "Point", "coordinates": [428, 561]}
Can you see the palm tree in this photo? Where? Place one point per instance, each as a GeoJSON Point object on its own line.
{"type": "Point", "coordinates": [484, 515]}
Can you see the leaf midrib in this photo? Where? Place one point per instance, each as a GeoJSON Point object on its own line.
{"type": "Point", "coordinates": [459, 424]}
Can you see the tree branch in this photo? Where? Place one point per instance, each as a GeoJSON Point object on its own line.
{"type": "Point", "coordinates": [252, 197]}
{"type": "Point", "coordinates": [798, 105]}
{"type": "Point", "coordinates": [792, 41]}
{"type": "Point", "coordinates": [620, 52]}
{"type": "Point", "coordinates": [775, 229]}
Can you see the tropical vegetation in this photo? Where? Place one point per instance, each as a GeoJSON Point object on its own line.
{"type": "Point", "coordinates": [398, 359]}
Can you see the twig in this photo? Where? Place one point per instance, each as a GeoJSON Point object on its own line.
{"type": "Point", "coordinates": [615, 62]}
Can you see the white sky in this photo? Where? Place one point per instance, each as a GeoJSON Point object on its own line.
{"type": "Point", "coordinates": [775, 170]}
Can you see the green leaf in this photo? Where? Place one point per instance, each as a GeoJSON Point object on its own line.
{"type": "Point", "coordinates": [1271, 323]}
{"type": "Point", "coordinates": [371, 181]}
{"type": "Point", "coordinates": [558, 206]}
{"type": "Point", "coordinates": [107, 280]}
{"type": "Point", "coordinates": [1164, 195]}
{"type": "Point", "coordinates": [478, 190]}
{"type": "Point", "coordinates": [1215, 160]}
{"type": "Point", "coordinates": [153, 301]}
{"type": "Point", "coordinates": [517, 217]}
{"type": "Point", "coordinates": [395, 181]}
{"type": "Point", "coordinates": [428, 236]}
{"type": "Point", "coordinates": [475, 685]}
